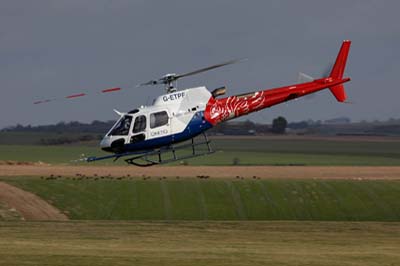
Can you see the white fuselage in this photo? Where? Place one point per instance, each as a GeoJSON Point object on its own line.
{"type": "Point", "coordinates": [169, 116]}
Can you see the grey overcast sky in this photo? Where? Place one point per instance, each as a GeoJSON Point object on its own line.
{"type": "Point", "coordinates": [53, 48]}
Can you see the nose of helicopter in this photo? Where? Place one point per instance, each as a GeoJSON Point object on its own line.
{"type": "Point", "coordinates": [105, 143]}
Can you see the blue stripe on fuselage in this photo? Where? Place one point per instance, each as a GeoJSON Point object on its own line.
{"type": "Point", "coordinates": [196, 126]}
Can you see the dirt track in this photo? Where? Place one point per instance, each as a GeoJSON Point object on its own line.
{"type": "Point", "coordinates": [329, 172]}
{"type": "Point", "coordinates": [28, 205]}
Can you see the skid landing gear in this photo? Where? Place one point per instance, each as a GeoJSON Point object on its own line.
{"type": "Point", "coordinates": [170, 154]}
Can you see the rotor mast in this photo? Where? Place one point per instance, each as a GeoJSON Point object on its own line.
{"type": "Point", "coordinates": [170, 83]}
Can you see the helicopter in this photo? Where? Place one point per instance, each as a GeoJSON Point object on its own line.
{"type": "Point", "coordinates": [152, 135]}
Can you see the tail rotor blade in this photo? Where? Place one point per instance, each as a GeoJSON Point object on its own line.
{"type": "Point", "coordinates": [327, 70]}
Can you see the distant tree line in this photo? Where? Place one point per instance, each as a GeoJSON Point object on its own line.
{"type": "Point", "coordinates": [68, 139]}
{"type": "Point", "coordinates": [62, 127]}
{"type": "Point", "coordinates": [250, 128]}
{"type": "Point", "coordinates": [98, 127]}
{"type": "Point", "coordinates": [337, 126]}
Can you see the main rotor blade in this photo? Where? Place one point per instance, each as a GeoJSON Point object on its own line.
{"type": "Point", "coordinates": [151, 82]}
{"type": "Point", "coordinates": [169, 78]}
{"type": "Point", "coordinates": [77, 95]}
{"type": "Point", "coordinates": [209, 68]}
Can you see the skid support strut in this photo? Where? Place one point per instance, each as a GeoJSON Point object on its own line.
{"type": "Point", "coordinates": [158, 156]}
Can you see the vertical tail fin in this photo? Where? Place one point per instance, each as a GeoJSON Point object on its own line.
{"type": "Point", "coordinates": [339, 93]}
{"type": "Point", "coordinates": [338, 70]}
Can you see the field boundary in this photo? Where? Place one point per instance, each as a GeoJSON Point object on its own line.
{"type": "Point", "coordinates": [288, 172]}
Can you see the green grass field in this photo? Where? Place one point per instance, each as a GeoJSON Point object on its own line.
{"type": "Point", "coordinates": [220, 199]}
{"type": "Point", "coordinates": [245, 151]}
{"type": "Point", "coordinates": [199, 243]}
{"type": "Point", "coordinates": [38, 138]}
{"type": "Point", "coordinates": [310, 222]}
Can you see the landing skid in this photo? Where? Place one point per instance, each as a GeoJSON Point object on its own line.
{"type": "Point", "coordinates": [158, 156]}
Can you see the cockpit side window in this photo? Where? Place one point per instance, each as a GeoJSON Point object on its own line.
{"type": "Point", "coordinates": [140, 124]}
{"type": "Point", "coordinates": [158, 119]}
{"type": "Point", "coordinates": [122, 127]}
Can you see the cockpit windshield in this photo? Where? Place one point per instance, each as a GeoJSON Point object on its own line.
{"type": "Point", "coordinates": [121, 128]}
